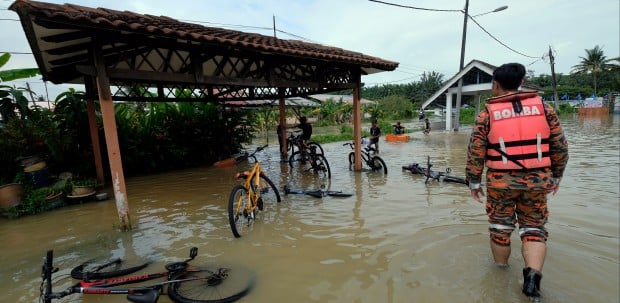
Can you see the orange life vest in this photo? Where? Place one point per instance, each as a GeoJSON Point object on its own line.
{"type": "Point", "coordinates": [519, 133]}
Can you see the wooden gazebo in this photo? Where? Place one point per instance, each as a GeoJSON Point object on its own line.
{"type": "Point", "coordinates": [116, 54]}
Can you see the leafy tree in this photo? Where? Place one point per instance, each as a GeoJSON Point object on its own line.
{"type": "Point", "coordinates": [594, 63]}
{"type": "Point", "coordinates": [398, 107]}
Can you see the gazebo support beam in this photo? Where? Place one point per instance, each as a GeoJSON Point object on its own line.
{"type": "Point", "coordinates": [282, 118]}
{"type": "Point", "coordinates": [357, 123]}
{"type": "Point", "coordinates": [111, 136]}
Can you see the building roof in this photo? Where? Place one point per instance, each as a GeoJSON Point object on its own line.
{"type": "Point", "coordinates": [477, 79]}
{"type": "Point", "coordinates": [309, 101]}
{"type": "Point", "coordinates": [163, 54]}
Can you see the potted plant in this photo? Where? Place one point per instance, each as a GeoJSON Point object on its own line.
{"type": "Point", "coordinates": [11, 193]}
{"type": "Point", "coordinates": [82, 187]}
{"type": "Point", "coordinates": [56, 195]}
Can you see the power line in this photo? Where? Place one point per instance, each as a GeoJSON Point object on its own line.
{"type": "Point", "coordinates": [15, 53]}
{"type": "Point", "coordinates": [418, 8]}
{"type": "Point", "coordinates": [500, 42]}
{"type": "Point", "coordinates": [462, 11]}
{"type": "Point", "coordinates": [394, 81]}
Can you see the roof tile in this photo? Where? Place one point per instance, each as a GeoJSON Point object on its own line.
{"type": "Point", "coordinates": [169, 27]}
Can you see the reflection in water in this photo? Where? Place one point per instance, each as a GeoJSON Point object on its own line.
{"type": "Point", "coordinates": [395, 240]}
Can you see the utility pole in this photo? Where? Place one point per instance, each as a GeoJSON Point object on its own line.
{"type": "Point", "coordinates": [459, 91]}
{"type": "Point", "coordinates": [553, 83]}
{"type": "Point", "coordinates": [274, 26]}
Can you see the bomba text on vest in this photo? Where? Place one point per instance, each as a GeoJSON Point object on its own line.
{"type": "Point", "coordinates": [510, 113]}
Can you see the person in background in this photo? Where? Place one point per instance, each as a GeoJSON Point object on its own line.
{"type": "Point", "coordinates": [398, 129]}
{"type": "Point", "coordinates": [375, 133]}
{"type": "Point", "coordinates": [306, 129]}
{"type": "Point", "coordinates": [427, 126]}
{"type": "Point", "coordinates": [521, 142]}
{"type": "Point", "coordinates": [421, 115]}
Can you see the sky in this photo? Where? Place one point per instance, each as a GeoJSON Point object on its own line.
{"type": "Point", "coordinates": [420, 40]}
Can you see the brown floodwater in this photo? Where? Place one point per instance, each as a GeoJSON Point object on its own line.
{"type": "Point", "coordinates": [395, 240]}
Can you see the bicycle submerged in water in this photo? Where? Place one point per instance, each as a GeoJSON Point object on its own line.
{"type": "Point", "coordinates": [416, 168]}
{"type": "Point", "coordinates": [184, 283]}
{"type": "Point", "coordinates": [374, 162]}
{"type": "Point", "coordinates": [248, 198]}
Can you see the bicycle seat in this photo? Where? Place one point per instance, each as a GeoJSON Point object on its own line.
{"type": "Point", "coordinates": [148, 296]}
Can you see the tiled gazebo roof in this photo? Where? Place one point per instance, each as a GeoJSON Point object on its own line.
{"type": "Point", "coordinates": [165, 53]}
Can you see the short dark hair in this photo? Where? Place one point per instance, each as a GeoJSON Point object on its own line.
{"type": "Point", "coordinates": [509, 75]}
{"type": "Point", "coordinates": [303, 120]}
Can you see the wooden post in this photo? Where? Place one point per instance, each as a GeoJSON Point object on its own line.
{"type": "Point", "coordinates": [94, 138]}
{"type": "Point", "coordinates": [111, 137]}
{"type": "Point", "coordinates": [282, 107]}
{"type": "Point", "coordinates": [357, 126]}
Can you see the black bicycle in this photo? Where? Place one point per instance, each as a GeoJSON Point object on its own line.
{"type": "Point", "coordinates": [294, 140]}
{"type": "Point", "coordinates": [184, 283]}
{"type": "Point", "coordinates": [309, 160]}
{"type": "Point", "coordinates": [430, 174]}
{"type": "Point", "coordinates": [374, 162]}
{"type": "Point", "coordinates": [317, 193]}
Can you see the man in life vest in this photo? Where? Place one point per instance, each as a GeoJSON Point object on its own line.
{"type": "Point", "coordinates": [520, 140]}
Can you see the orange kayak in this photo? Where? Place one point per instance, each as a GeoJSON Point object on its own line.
{"type": "Point", "coordinates": [396, 138]}
{"type": "Point", "coordinates": [226, 162]}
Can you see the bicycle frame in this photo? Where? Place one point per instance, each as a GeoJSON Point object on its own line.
{"type": "Point", "coordinates": [294, 140]}
{"type": "Point", "coordinates": [252, 182]}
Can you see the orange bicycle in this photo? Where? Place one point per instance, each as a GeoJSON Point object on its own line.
{"type": "Point", "coordinates": [250, 197]}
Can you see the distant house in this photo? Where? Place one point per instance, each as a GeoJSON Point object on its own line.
{"type": "Point", "coordinates": [477, 80]}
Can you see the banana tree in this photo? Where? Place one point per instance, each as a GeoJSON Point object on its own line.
{"type": "Point", "coordinates": [12, 99]}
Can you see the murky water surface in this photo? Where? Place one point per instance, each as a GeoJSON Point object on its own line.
{"type": "Point", "coordinates": [395, 240]}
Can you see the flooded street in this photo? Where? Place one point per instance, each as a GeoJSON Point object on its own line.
{"type": "Point", "coordinates": [395, 240]}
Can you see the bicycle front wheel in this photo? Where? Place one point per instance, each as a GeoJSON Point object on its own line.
{"type": "Point", "coordinates": [238, 216]}
{"type": "Point", "coordinates": [377, 164]}
{"type": "Point", "coordinates": [211, 284]}
{"type": "Point", "coordinates": [320, 166]}
{"type": "Point", "coordinates": [351, 159]}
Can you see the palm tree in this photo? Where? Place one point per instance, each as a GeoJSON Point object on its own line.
{"type": "Point", "coordinates": [594, 62]}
